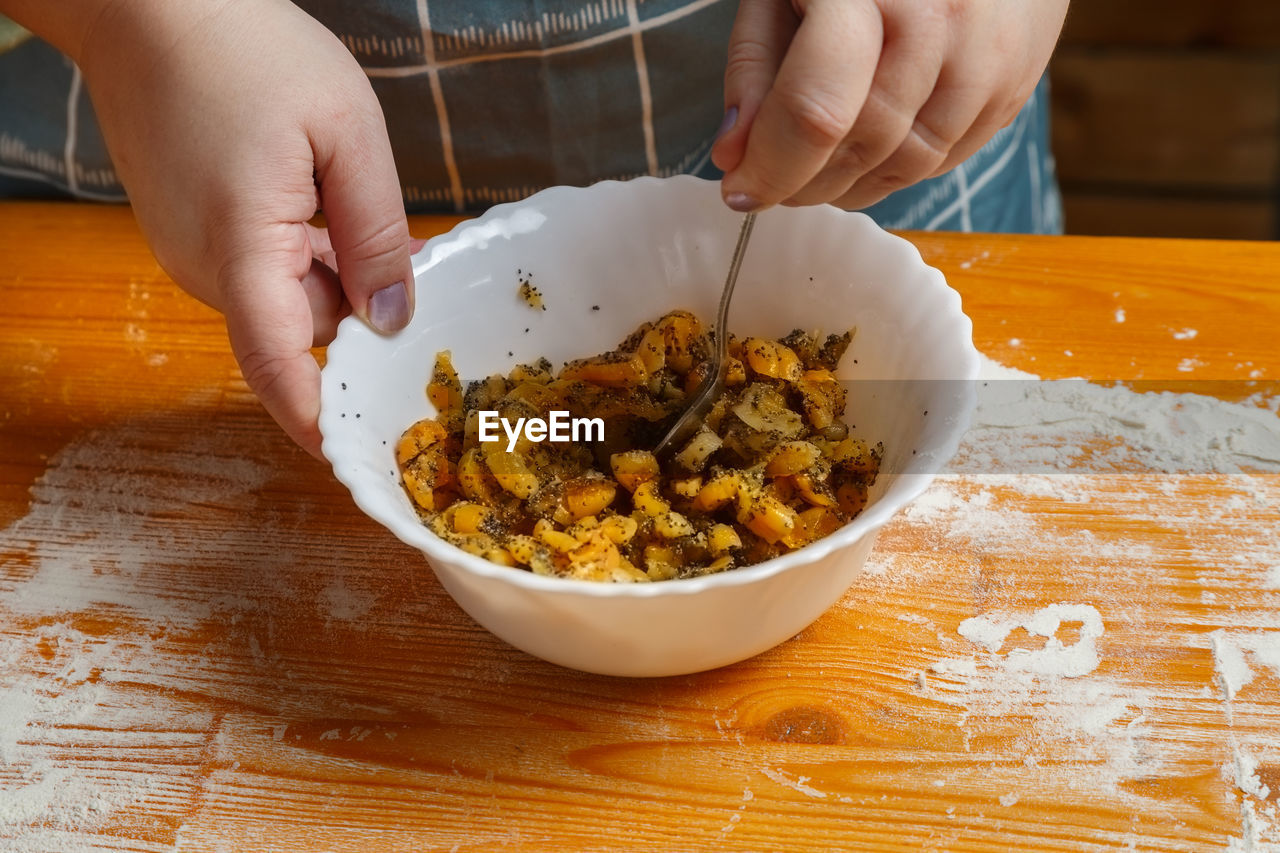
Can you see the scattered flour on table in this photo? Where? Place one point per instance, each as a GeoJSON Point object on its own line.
{"type": "Point", "coordinates": [1243, 771]}
{"type": "Point", "coordinates": [1259, 818]}
{"type": "Point", "coordinates": [99, 521]}
{"type": "Point", "coordinates": [799, 784]}
{"type": "Point", "coordinates": [1231, 663]}
{"type": "Point", "coordinates": [1043, 667]}
{"type": "Point", "coordinates": [1054, 658]}
{"type": "Point", "coordinates": [1026, 425]}
{"type": "Point", "coordinates": [48, 793]}
{"type": "Point", "coordinates": [339, 600]}
{"type": "Point", "coordinates": [104, 533]}
{"type": "Point", "coordinates": [96, 518]}
{"type": "Point", "coordinates": [1101, 718]}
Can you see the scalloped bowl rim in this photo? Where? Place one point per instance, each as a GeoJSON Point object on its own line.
{"type": "Point", "coordinates": [905, 488]}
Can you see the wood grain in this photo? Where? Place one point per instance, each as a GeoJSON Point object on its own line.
{"type": "Point", "coordinates": [1194, 120]}
{"type": "Point", "coordinates": [207, 647]}
{"type": "Point", "coordinates": [1133, 213]}
{"type": "Point", "coordinates": [1166, 117]}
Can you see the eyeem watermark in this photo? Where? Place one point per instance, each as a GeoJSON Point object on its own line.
{"type": "Point", "coordinates": [558, 426]}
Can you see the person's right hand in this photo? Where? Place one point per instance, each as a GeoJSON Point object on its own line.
{"type": "Point", "coordinates": [846, 101]}
{"type": "Point", "coordinates": [230, 123]}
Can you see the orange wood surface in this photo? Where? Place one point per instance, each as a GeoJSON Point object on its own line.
{"type": "Point", "coordinates": [205, 646]}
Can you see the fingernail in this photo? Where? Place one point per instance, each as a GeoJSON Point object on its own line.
{"type": "Point", "coordinates": [730, 119]}
{"type": "Point", "coordinates": [389, 308]}
{"type": "Point", "coordinates": [741, 202]}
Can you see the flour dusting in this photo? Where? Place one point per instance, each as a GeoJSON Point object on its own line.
{"type": "Point", "coordinates": [1233, 651]}
{"type": "Point", "coordinates": [1051, 665]}
{"type": "Point", "coordinates": [1229, 663]}
{"type": "Point", "coordinates": [99, 519]}
{"type": "Point", "coordinates": [1101, 717]}
{"type": "Point", "coordinates": [1056, 674]}
{"type": "Point", "coordinates": [1053, 658]}
{"type": "Point", "coordinates": [121, 528]}
{"type": "Point", "coordinates": [1026, 425]}
{"type": "Point", "coordinates": [1245, 775]}
{"type": "Point", "coordinates": [799, 784]}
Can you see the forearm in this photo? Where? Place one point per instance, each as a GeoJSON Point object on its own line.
{"type": "Point", "coordinates": [63, 23]}
{"type": "Point", "coordinates": [94, 32]}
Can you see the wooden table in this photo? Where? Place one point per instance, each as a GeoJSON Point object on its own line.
{"type": "Point", "coordinates": [205, 646]}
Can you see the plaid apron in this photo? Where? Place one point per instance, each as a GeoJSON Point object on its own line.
{"type": "Point", "coordinates": [487, 101]}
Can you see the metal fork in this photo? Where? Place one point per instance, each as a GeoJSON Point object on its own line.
{"type": "Point", "coordinates": [704, 396]}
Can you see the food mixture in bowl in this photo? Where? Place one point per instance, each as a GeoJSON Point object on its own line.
{"type": "Point", "coordinates": [772, 469]}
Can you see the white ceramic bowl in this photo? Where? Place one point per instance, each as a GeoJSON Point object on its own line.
{"type": "Point", "coordinates": [636, 250]}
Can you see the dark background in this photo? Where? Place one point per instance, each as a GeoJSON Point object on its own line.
{"type": "Point", "coordinates": [1166, 118]}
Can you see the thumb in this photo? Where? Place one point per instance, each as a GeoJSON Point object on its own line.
{"type": "Point", "coordinates": [360, 195]}
{"type": "Point", "coordinates": [761, 33]}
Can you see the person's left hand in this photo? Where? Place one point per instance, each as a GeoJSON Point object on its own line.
{"type": "Point", "coordinates": [230, 124]}
{"type": "Point", "coordinates": [846, 101]}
